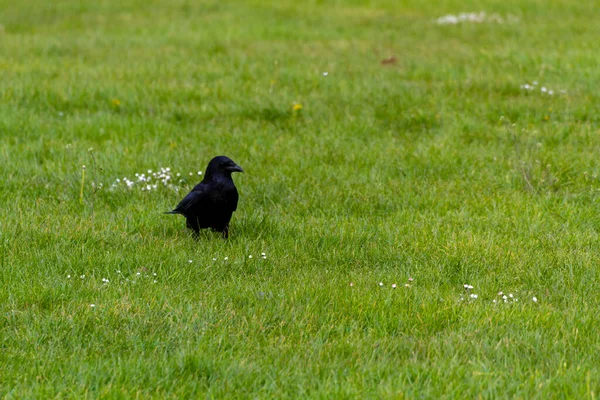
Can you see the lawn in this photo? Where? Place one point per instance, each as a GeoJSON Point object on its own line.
{"type": "Point", "coordinates": [419, 214]}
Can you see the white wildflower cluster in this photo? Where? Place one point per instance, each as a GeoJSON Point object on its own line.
{"type": "Point", "coordinates": [152, 180]}
{"type": "Point", "coordinates": [506, 298]}
{"type": "Point", "coordinates": [468, 289]}
{"type": "Point", "coordinates": [263, 255]}
{"type": "Point", "coordinates": [138, 277]}
{"type": "Point", "coordinates": [502, 297]}
{"type": "Point", "coordinates": [120, 278]}
{"type": "Point", "coordinates": [534, 86]}
{"type": "Point", "coordinates": [474, 18]}
{"type": "Point", "coordinates": [394, 285]}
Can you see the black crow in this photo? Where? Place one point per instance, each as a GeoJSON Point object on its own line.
{"type": "Point", "coordinates": [211, 203]}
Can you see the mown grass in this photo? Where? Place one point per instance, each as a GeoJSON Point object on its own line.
{"type": "Point", "coordinates": [436, 166]}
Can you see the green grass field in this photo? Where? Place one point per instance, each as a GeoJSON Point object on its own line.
{"type": "Point", "coordinates": [379, 145]}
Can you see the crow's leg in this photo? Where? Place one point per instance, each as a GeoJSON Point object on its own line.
{"type": "Point", "coordinates": [193, 224]}
{"type": "Point", "coordinates": [226, 232]}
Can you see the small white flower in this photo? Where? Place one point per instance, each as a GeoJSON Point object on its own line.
{"type": "Point", "coordinates": [504, 297]}
{"type": "Point", "coordinates": [406, 285]}
{"type": "Point", "coordinates": [214, 259]}
{"type": "Point", "coordinates": [68, 276]}
{"type": "Point", "coordinates": [411, 279]}
{"type": "Point", "coordinates": [190, 261]}
{"type": "Point", "coordinates": [351, 284]}
{"type": "Point", "coordinates": [154, 274]}
{"type": "Point", "coordinates": [138, 274]}
{"type": "Point", "coordinates": [226, 258]}
{"type": "Point", "coordinates": [544, 89]}
{"type": "Point", "coordinates": [191, 173]}
{"type": "Point", "coordinates": [82, 276]}
{"type": "Point", "coordinates": [118, 271]}
{"type": "Point", "coordinates": [493, 301]}
{"type": "Point", "coordinates": [250, 256]}
{"type": "Point", "coordinates": [263, 254]}
{"type": "Point", "coordinates": [149, 171]}
{"type": "Point", "coordinates": [510, 295]}
{"type": "Point", "coordinates": [393, 286]}
{"type": "Point", "coordinates": [92, 305]}
{"type": "Point", "coordinates": [534, 299]}
{"type": "Point", "coordinates": [381, 284]}
{"type": "Point", "coordinates": [473, 296]}
{"type": "Point", "coordinates": [325, 73]}
{"type": "Point", "coordinates": [199, 172]}
{"type": "Point", "coordinates": [155, 281]}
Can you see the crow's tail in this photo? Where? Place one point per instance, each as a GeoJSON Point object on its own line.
{"type": "Point", "coordinates": [171, 212]}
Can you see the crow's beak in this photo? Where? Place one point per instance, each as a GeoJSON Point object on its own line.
{"type": "Point", "coordinates": [235, 168]}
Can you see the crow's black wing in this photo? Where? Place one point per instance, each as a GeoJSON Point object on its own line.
{"type": "Point", "coordinates": [232, 198]}
{"type": "Point", "coordinates": [194, 200]}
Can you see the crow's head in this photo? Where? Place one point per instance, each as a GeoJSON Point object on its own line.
{"type": "Point", "coordinates": [222, 165]}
